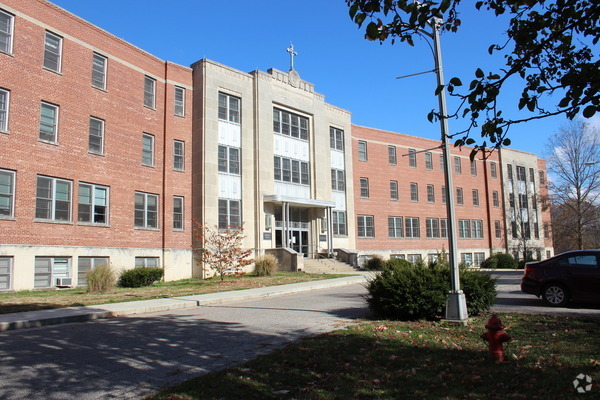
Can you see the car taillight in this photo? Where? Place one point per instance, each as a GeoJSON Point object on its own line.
{"type": "Point", "coordinates": [528, 269]}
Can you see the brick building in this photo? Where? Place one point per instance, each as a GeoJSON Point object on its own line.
{"type": "Point", "coordinates": [107, 153]}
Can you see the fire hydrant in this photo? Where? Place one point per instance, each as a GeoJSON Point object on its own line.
{"type": "Point", "coordinates": [495, 337]}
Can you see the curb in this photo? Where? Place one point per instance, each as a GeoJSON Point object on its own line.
{"type": "Point", "coordinates": [34, 319]}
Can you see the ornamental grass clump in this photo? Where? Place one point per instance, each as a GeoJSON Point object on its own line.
{"type": "Point", "coordinates": [101, 279]}
{"type": "Point", "coordinates": [265, 265]}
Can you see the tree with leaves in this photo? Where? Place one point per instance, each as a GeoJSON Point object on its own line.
{"type": "Point", "coordinates": [551, 47]}
{"type": "Point", "coordinates": [573, 161]}
{"type": "Point", "coordinates": [220, 250]}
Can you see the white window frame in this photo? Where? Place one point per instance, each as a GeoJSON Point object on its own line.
{"type": "Point", "coordinates": [149, 92]}
{"type": "Point", "coordinates": [430, 193]}
{"type": "Point", "coordinates": [414, 258]}
{"type": "Point", "coordinates": [6, 273]}
{"type": "Point", "coordinates": [444, 195]}
{"type": "Point", "coordinates": [99, 68]}
{"type": "Point", "coordinates": [493, 170]}
{"type": "Point", "coordinates": [4, 109]}
{"type": "Point", "coordinates": [339, 225]}
{"type": "Point", "coordinates": [457, 165]}
{"type": "Point", "coordinates": [412, 229]}
{"type": "Point", "coordinates": [428, 161]}
{"type": "Point", "coordinates": [362, 151]}
{"type": "Point", "coordinates": [291, 171]}
{"type": "Point", "coordinates": [336, 139]}
{"type": "Point", "coordinates": [498, 229]}
{"type": "Point", "coordinates": [227, 217]}
{"type": "Point", "coordinates": [51, 273]}
{"type": "Point", "coordinates": [94, 262]}
{"type": "Point", "coordinates": [412, 158]}
{"type": "Point", "coordinates": [7, 195]}
{"type": "Point", "coordinates": [47, 126]}
{"type": "Point", "coordinates": [51, 214]}
{"type": "Point", "coordinates": [51, 55]}
{"type": "Point", "coordinates": [364, 188]}
{"type": "Point", "coordinates": [392, 155]}
{"type": "Point", "coordinates": [414, 192]}
{"type": "Point", "coordinates": [395, 227]}
{"type": "Point", "coordinates": [443, 228]}
{"type": "Point", "coordinates": [338, 180]}
{"type": "Point", "coordinates": [394, 190]}
{"type": "Point", "coordinates": [466, 259]}
{"type": "Point", "coordinates": [475, 195]}
{"type": "Point", "coordinates": [178, 155]}
{"type": "Point", "coordinates": [229, 108]}
{"type": "Point", "coordinates": [8, 34]}
{"type": "Point", "coordinates": [464, 228]}
{"type": "Point", "coordinates": [459, 196]}
{"type": "Point", "coordinates": [473, 167]}
{"type": "Point", "coordinates": [95, 205]}
{"type": "Point", "coordinates": [432, 228]}
{"type": "Point", "coordinates": [365, 226]}
{"type": "Point", "coordinates": [147, 262]}
{"type": "Point", "coordinates": [228, 160]}
{"type": "Point", "coordinates": [96, 132]}
{"type": "Point", "coordinates": [291, 124]}
{"type": "Point", "coordinates": [478, 259]}
{"type": "Point", "coordinates": [179, 101]}
{"type": "Point", "coordinates": [144, 217]}
{"type": "Point", "coordinates": [178, 213]}
{"type": "Point", "coordinates": [147, 154]}
{"type": "Point", "coordinates": [495, 199]}
{"type": "Point", "coordinates": [477, 229]}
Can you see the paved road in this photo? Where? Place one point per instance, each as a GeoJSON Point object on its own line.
{"type": "Point", "coordinates": [122, 358]}
{"type": "Point", "coordinates": [511, 299]}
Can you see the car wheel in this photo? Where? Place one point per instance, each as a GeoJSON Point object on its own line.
{"type": "Point", "coordinates": [555, 295]}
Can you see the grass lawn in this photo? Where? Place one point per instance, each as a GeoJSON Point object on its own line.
{"type": "Point", "coordinates": [407, 360]}
{"type": "Point", "coordinates": [31, 300]}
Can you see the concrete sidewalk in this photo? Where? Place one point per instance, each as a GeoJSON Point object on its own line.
{"type": "Point", "coordinates": [31, 319]}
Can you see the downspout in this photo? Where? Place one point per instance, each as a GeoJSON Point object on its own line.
{"type": "Point", "coordinates": [487, 202]}
{"type": "Point", "coordinates": [258, 206]}
{"type": "Point", "coordinates": [164, 175]}
{"type": "Point", "coordinates": [501, 168]}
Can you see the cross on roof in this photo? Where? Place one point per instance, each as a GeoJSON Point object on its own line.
{"type": "Point", "coordinates": [292, 54]}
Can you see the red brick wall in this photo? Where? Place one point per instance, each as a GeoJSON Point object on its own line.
{"type": "Point", "coordinates": [121, 106]}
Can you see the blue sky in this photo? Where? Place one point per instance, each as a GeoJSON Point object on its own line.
{"type": "Point", "coordinates": [351, 72]}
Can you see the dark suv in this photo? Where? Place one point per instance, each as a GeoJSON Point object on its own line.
{"type": "Point", "coordinates": [574, 275]}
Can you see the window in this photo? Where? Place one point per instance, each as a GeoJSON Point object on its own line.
{"type": "Point", "coordinates": [536, 230]}
{"type": "Point", "coordinates": [411, 227]}
{"type": "Point", "coordinates": [293, 171]}
{"type": "Point", "coordinates": [47, 270]}
{"type": "Point", "coordinates": [548, 254]}
{"type": "Point", "coordinates": [364, 188]}
{"type": "Point", "coordinates": [149, 92]}
{"type": "Point", "coordinates": [5, 262]}
{"type": "Point", "coordinates": [495, 199]}
{"type": "Point", "coordinates": [178, 213]}
{"type": "Point", "coordinates": [87, 264]}
{"type": "Point", "coordinates": [178, 155]}
{"type": "Point", "coordinates": [493, 170]}
{"type": "Point", "coordinates": [542, 178]}
{"type": "Point", "coordinates": [93, 204]}
{"type": "Point", "coordinates": [523, 201]}
{"type": "Point", "coordinates": [432, 228]}
{"type": "Point", "coordinates": [464, 228]}
{"type": "Point", "coordinates": [513, 226]}
{"type": "Point", "coordinates": [457, 165]}
{"type": "Point", "coordinates": [4, 102]}
{"type": "Point", "coordinates": [444, 194]}
{"type": "Point", "coordinates": [395, 227]}
{"type": "Point", "coordinates": [148, 262]}
{"type": "Point", "coordinates": [414, 258]}
{"type": "Point", "coordinates": [336, 139]}
{"type": "Point", "coordinates": [362, 151]}
{"type": "Point", "coordinates": [466, 259]}
{"type": "Point", "coordinates": [414, 191]}
{"type": "Point", "coordinates": [96, 136]}
{"type": "Point", "coordinates": [99, 71]}
{"type": "Point", "coordinates": [339, 223]}
{"type": "Point", "coordinates": [477, 229]}
{"type": "Point", "coordinates": [478, 259]}
{"type": "Point", "coordinates": [459, 196]}
{"type": "Point", "coordinates": [48, 122]}
{"type": "Point", "coordinates": [475, 197]}
{"type": "Point", "coordinates": [430, 194]}
{"type": "Point", "coordinates": [511, 200]}
{"type": "Point", "coordinates": [392, 155]}
{"type": "Point", "coordinates": [337, 180]}
{"type": "Point", "coordinates": [179, 101]}
{"type": "Point", "coordinates": [412, 158]}
{"type": "Point", "coordinates": [509, 172]}
{"type": "Point", "coordinates": [229, 214]}
{"type": "Point", "coordinates": [53, 199]}
{"type": "Point", "coordinates": [497, 229]}
{"type": "Point", "coordinates": [443, 228]}
{"type": "Point", "coordinates": [429, 161]}
{"type": "Point", "coordinates": [290, 124]}
{"type": "Point", "coordinates": [229, 108]}
{"type": "Point", "coordinates": [6, 32]}
{"type": "Point", "coordinates": [7, 193]}
{"type": "Point", "coordinates": [146, 210]}
{"type": "Point", "coordinates": [531, 175]}
{"type": "Point", "coordinates": [52, 51]}
{"type": "Point", "coordinates": [442, 166]}
{"type": "Point", "coordinates": [394, 190]}
{"type": "Point", "coordinates": [521, 175]}
{"type": "Point", "coordinates": [400, 256]}
{"type": "Point", "coordinates": [365, 226]}
{"type": "Point", "coordinates": [229, 160]}
{"type": "Point", "coordinates": [473, 168]}
{"type": "Point", "coordinates": [546, 230]}
{"type": "Point", "coordinates": [148, 150]}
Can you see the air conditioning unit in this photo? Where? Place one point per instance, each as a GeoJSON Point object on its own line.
{"type": "Point", "coordinates": [64, 282]}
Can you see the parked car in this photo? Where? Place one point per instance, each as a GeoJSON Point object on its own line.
{"type": "Point", "coordinates": [574, 275]}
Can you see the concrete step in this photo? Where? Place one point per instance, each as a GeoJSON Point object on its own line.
{"type": "Point", "coordinates": [327, 266]}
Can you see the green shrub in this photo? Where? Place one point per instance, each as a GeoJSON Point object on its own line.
{"type": "Point", "coordinates": [138, 277]}
{"type": "Point", "coordinates": [101, 279]}
{"type": "Point", "coordinates": [500, 260]}
{"type": "Point", "coordinates": [521, 263]}
{"type": "Point", "coordinates": [411, 292]}
{"type": "Point", "coordinates": [490, 263]}
{"type": "Point", "coordinates": [396, 262]}
{"type": "Point", "coordinates": [265, 265]}
{"type": "Point", "coordinates": [375, 263]}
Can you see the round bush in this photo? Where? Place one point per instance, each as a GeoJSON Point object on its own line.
{"type": "Point", "coordinates": [375, 263]}
{"type": "Point", "coordinates": [396, 262]}
{"type": "Point", "coordinates": [480, 290]}
{"type": "Point", "coordinates": [141, 276]}
{"type": "Point", "coordinates": [505, 261]}
{"type": "Point", "coordinates": [265, 265]}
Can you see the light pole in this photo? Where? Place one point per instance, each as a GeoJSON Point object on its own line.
{"type": "Point", "coordinates": [456, 305]}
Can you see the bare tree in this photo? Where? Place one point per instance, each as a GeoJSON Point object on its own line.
{"type": "Point", "coordinates": [574, 167]}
